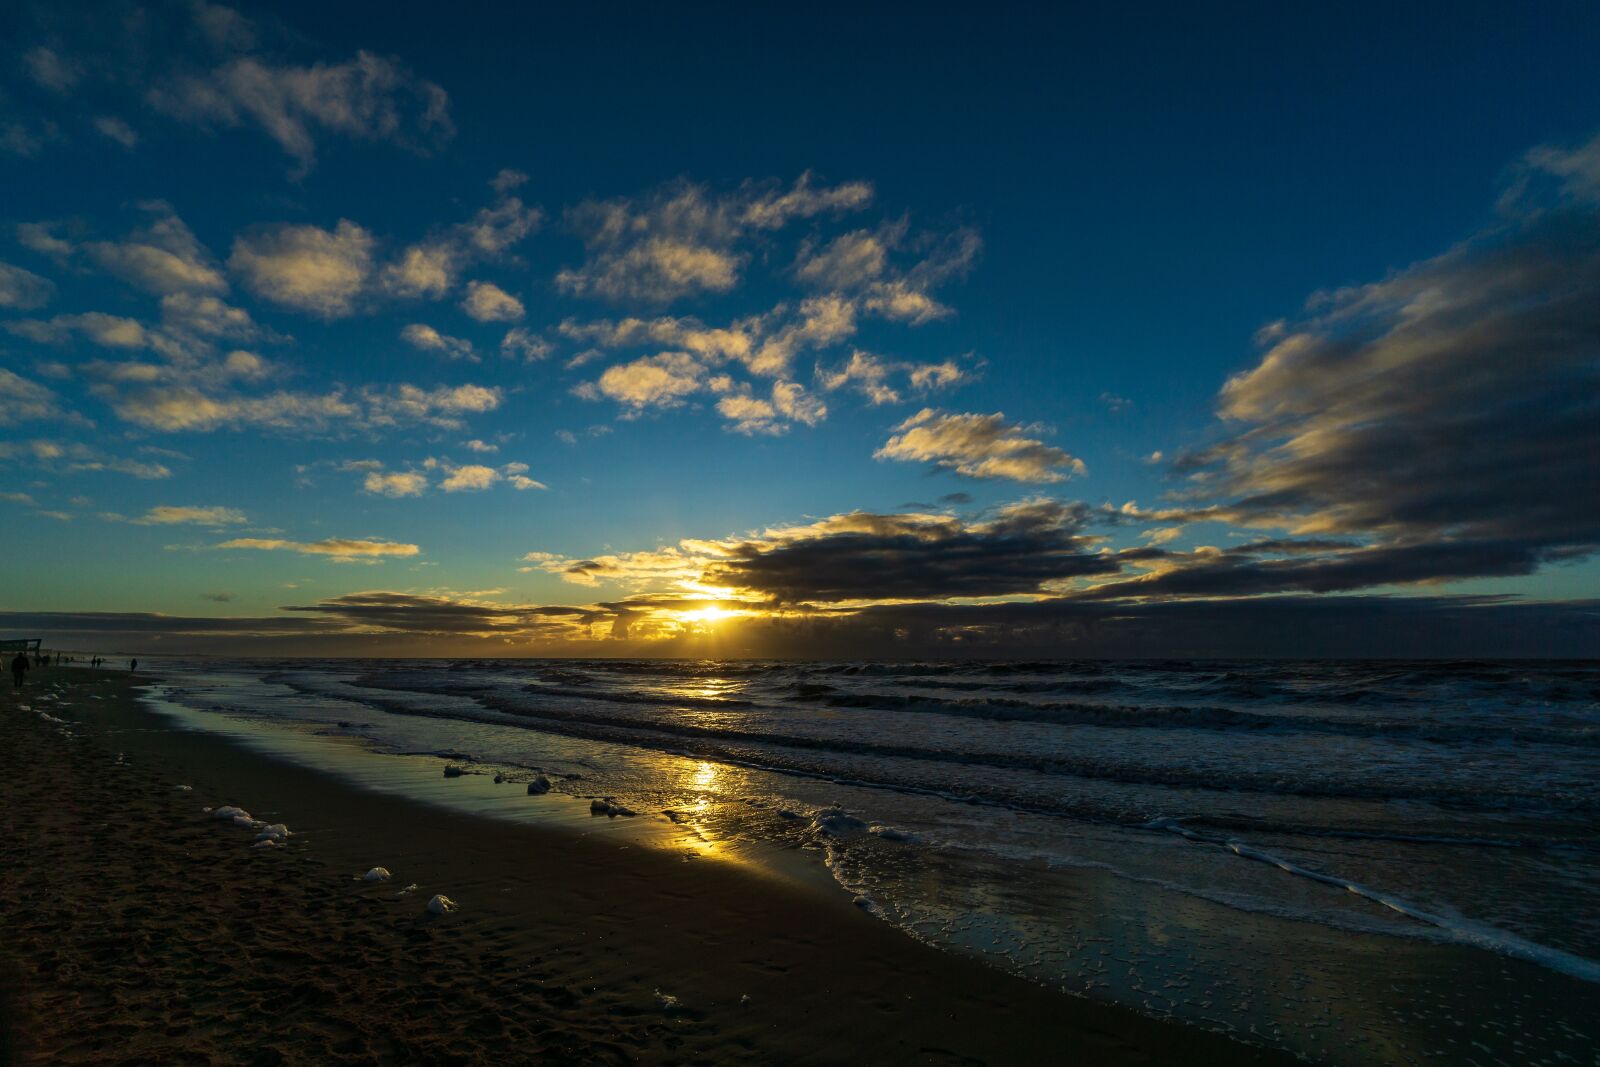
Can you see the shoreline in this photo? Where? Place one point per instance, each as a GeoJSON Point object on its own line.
{"type": "Point", "coordinates": [566, 948]}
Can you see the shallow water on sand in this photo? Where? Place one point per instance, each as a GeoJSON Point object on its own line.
{"type": "Point", "coordinates": [1354, 861]}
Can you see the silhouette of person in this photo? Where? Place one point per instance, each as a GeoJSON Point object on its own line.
{"type": "Point", "coordinates": [133, 665]}
{"type": "Point", "coordinates": [19, 670]}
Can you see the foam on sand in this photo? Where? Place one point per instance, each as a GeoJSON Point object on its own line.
{"type": "Point", "coordinates": [441, 904]}
{"type": "Point", "coordinates": [377, 874]}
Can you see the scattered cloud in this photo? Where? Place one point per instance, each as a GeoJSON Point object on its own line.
{"type": "Point", "coordinates": [23, 290]}
{"type": "Point", "coordinates": [306, 268]}
{"type": "Point", "coordinates": [117, 130]}
{"type": "Point", "coordinates": [395, 483]}
{"type": "Point", "coordinates": [469, 477]}
{"type": "Point", "coordinates": [683, 239]}
{"type": "Point", "coordinates": [168, 515]}
{"type": "Point", "coordinates": [487, 302]}
{"type": "Point", "coordinates": [520, 342]}
{"type": "Point", "coordinates": [978, 446]}
{"type": "Point", "coordinates": [337, 549]}
{"type": "Point", "coordinates": [25, 401]}
{"type": "Point", "coordinates": [875, 378]}
{"type": "Point", "coordinates": [368, 97]}
{"type": "Point", "coordinates": [51, 70]}
{"type": "Point", "coordinates": [420, 335]}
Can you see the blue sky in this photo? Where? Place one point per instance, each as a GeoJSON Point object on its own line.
{"type": "Point", "coordinates": [623, 330]}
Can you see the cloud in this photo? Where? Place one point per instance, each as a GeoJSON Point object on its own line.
{"type": "Point", "coordinates": [1448, 415]}
{"type": "Point", "coordinates": [167, 515]}
{"type": "Point", "coordinates": [507, 180]}
{"type": "Point", "coordinates": [476, 445]}
{"type": "Point", "coordinates": [1027, 548]}
{"type": "Point", "coordinates": [369, 97]}
{"type": "Point", "coordinates": [469, 477]}
{"type": "Point", "coordinates": [431, 267]}
{"type": "Point", "coordinates": [305, 268]}
{"type": "Point", "coordinates": [487, 302]}
{"type": "Point", "coordinates": [338, 549]}
{"type": "Point", "coordinates": [23, 290]}
{"type": "Point", "coordinates": [24, 401]}
{"type": "Point", "coordinates": [873, 377]}
{"type": "Point", "coordinates": [420, 335]}
{"type": "Point", "coordinates": [73, 457]}
{"type": "Point", "coordinates": [161, 257]}
{"type": "Point", "coordinates": [51, 70]}
{"type": "Point", "coordinates": [851, 260]}
{"type": "Point", "coordinates": [682, 240]}
{"type": "Point", "coordinates": [395, 483]}
{"type": "Point", "coordinates": [117, 130]}
{"type": "Point", "coordinates": [789, 403]}
{"type": "Point", "coordinates": [183, 407]}
{"type": "Point", "coordinates": [209, 316]}
{"type": "Point", "coordinates": [653, 381]}
{"type": "Point", "coordinates": [108, 331]}
{"type": "Point", "coordinates": [978, 446]}
{"type": "Point", "coordinates": [520, 341]}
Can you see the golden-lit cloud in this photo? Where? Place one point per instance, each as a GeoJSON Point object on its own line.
{"type": "Point", "coordinates": [978, 446]}
{"type": "Point", "coordinates": [337, 549]}
{"type": "Point", "coordinates": [487, 302]}
{"type": "Point", "coordinates": [420, 335]}
{"type": "Point", "coordinates": [306, 268]}
{"type": "Point", "coordinates": [169, 515]}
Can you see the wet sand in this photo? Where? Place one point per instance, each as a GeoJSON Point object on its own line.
{"type": "Point", "coordinates": [136, 928]}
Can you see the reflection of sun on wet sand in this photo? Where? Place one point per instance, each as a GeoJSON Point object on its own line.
{"type": "Point", "coordinates": [301, 920]}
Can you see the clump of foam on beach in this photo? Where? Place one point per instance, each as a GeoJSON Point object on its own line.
{"type": "Point", "coordinates": [441, 904]}
{"type": "Point", "coordinates": [377, 874]}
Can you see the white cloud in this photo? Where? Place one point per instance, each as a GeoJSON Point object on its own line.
{"type": "Point", "coordinates": [23, 290]}
{"type": "Point", "coordinates": [425, 337]}
{"type": "Point", "coordinates": [306, 268]}
{"type": "Point", "coordinates": [487, 302]}
{"type": "Point", "coordinates": [978, 446]}
{"type": "Point", "coordinates": [476, 445]}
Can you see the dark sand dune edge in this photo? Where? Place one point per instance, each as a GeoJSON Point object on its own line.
{"type": "Point", "coordinates": [133, 926]}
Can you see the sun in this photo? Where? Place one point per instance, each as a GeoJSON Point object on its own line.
{"type": "Point", "coordinates": [709, 614]}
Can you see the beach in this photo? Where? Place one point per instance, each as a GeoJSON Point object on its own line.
{"type": "Point", "coordinates": [139, 927]}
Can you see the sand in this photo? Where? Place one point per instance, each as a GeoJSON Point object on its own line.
{"type": "Point", "coordinates": [134, 927]}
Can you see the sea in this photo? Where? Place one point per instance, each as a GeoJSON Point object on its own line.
{"type": "Point", "coordinates": [1356, 862]}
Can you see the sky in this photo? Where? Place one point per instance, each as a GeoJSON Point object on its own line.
{"type": "Point", "coordinates": [360, 330]}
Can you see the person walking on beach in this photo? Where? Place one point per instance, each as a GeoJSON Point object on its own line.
{"type": "Point", "coordinates": [133, 665]}
{"type": "Point", "coordinates": [19, 670]}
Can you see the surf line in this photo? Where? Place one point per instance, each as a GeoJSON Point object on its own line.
{"type": "Point", "coordinates": [1464, 931]}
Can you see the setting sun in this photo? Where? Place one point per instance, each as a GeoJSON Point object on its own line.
{"type": "Point", "coordinates": [711, 613]}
